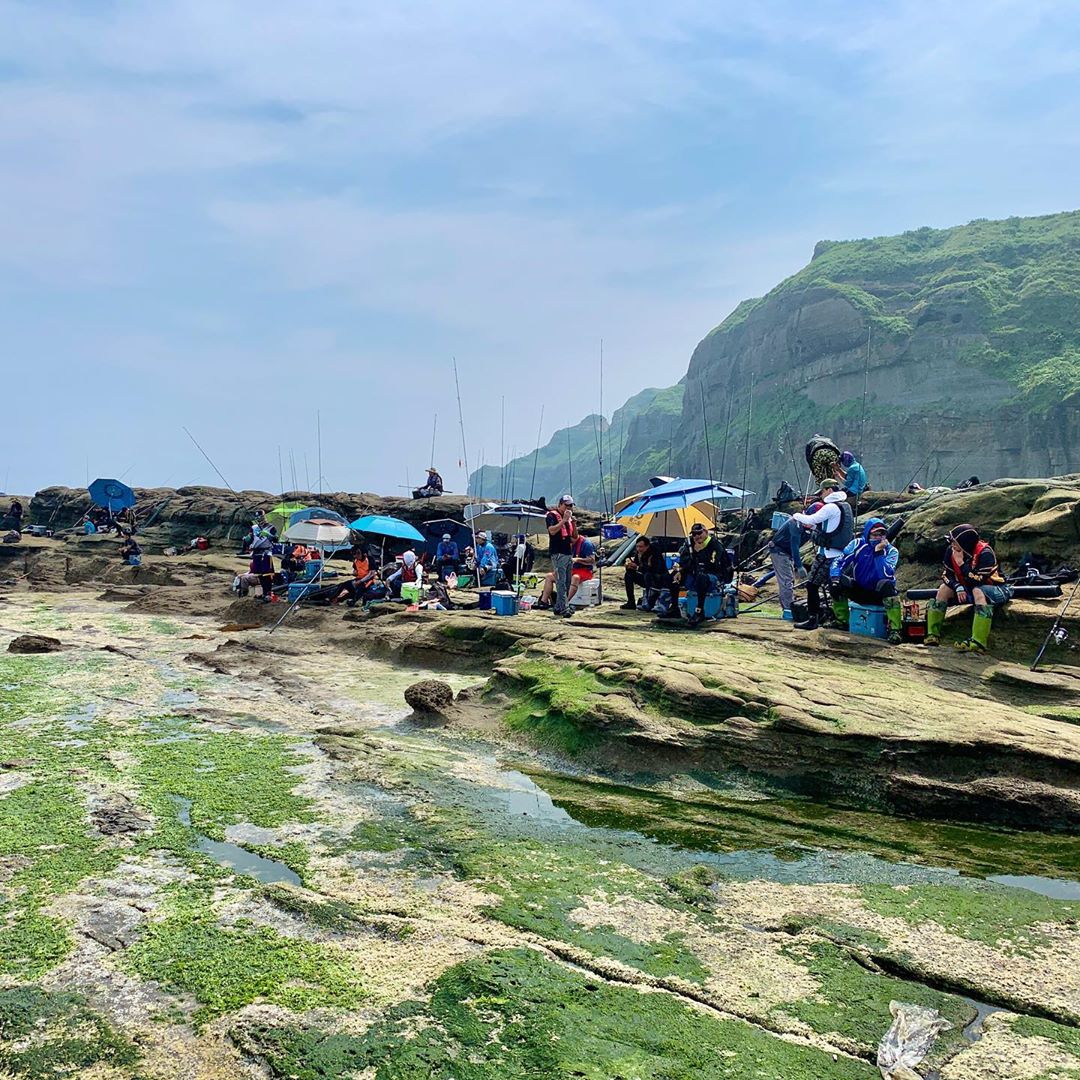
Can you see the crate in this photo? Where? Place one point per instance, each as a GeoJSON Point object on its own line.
{"type": "Point", "coordinates": [504, 603]}
{"type": "Point", "coordinates": [779, 518]}
{"type": "Point", "coordinates": [867, 621]}
{"type": "Point", "coordinates": [411, 593]}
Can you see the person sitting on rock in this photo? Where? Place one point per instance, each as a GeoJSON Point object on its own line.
{"type": "Point", "coordinates": [520, 556]}
{"type": "Point", "coordinates": [14, 517]}
{"type": "Point", "coordinates": [365, 575]}
{"type": "Point", "coordinates": [647, 567]}
{"type": "Point", "coordinates": [834, 529]}
{"type": "Point", "coordinates": [704, 565]}
{"type": "Point", "coordinates": [409, 572]}
{"type": "Point", "coordinates": [130, 551]}
{"type": "Point", "coordinates": [867, 575]}
{"type": "Point", "coordinates": [446, 557]}
{"type": "Point", "coordinates": [432, 486]}
{"type": "Point", "coordinates": [971, 576]}
{"type": "Point", "coordinates": [487, 560]}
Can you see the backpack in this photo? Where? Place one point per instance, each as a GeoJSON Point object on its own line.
{"type": "Point", "coordinates": [819, 442]}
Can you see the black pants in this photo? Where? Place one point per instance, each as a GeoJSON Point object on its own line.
{"type": "Point", "coordinates": [871, 597]}
{"type": "Point", "coordinates": [634, 577]}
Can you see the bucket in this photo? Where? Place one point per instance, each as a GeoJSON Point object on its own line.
{"type": "Point", "coordinates": [410, 592]}
{"type": "Point", "coordinates": [613, 531]}
{"type": "Point", "coordinates": [485, 601]}
{"type": "Point", "coordinates": [778, 518]}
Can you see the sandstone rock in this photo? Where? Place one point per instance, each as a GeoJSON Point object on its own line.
{"type": "Point", "coordinates": [429, 696]}
{"type": "Point", "coordinates": [34, 643]}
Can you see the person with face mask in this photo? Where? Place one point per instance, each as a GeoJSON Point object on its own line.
{"type": "Point", "coordinates": [970, 576]}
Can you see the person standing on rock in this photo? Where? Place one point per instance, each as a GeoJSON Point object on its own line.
{"type": "Point", "coordinates": [561, 535]}
{"type": "Point", "coordinates": [971, 576]}
{"type": "Point", "coordinates": [834, 529]}
{"type": "Point", "coordinates": [15, 515]}
{"type": "Point", "coordinates": [786, 558]}
{"type": "Point", "coordinates": [262, 563]}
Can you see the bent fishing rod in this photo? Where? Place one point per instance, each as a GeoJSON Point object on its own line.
{"type": "Point", "coordinates": [1057, 632]}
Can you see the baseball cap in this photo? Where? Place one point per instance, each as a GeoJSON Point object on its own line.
{"type": "Point", "coordinates": [568, 499]}
{"type": "Point", "coordinates": [446, 536]}
{"type": "Point", "coordinates": [829, 482]}
{"type": "Point", "coordinates": [697, 528]}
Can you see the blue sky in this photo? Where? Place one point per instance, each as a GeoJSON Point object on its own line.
{"type": "Point", "coordinates": [231, 215]}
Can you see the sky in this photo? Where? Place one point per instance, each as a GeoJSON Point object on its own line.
{"type": "Point", "coordinates": [270, 221]}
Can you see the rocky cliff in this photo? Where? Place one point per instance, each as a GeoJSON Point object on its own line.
{"type": "Point", "coordinates": [936, 354]}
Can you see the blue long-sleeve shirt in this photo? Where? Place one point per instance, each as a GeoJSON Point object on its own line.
{"type": "Point", "coordinates": [487, 558]}
{"type": "Point", "coordinates": [447, 551]}
{"type": "Point", "coordinates": [855, 480]}
{"type": "Point", "coordinates": [788, 539]}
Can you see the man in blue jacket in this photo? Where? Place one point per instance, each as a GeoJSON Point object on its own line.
{"type": "Point", "coordinates": [446, 557]}
{"type": "Point", "coordinates": [855, 482]}
{"type": "Point", "coordinates": [866, 573]}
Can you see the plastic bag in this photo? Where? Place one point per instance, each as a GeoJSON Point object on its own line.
{"type": "Point", "coordinates": [908, 1041]}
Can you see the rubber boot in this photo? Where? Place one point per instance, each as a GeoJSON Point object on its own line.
{"type": "Point", "coordinates": [894, 618]}
{"type": "Point", "coordinates": [935, 619]}
{"type": "Point", "coordinates": [841, 611]}
{"type": "Point", "coordinates": [980, 628]}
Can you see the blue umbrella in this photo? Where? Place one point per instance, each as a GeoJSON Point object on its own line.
{"type": "Point", "coordinates": [111, 494]}
{"type": "Point", "coordinates": [384, 525]}
{"type": "Point", "coordinates": [678, 495]}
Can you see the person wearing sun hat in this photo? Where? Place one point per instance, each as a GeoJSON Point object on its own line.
{"type": "Point", "coordinates": [433, 485]}
{"type": "Point", "coordinates": [970, 576]}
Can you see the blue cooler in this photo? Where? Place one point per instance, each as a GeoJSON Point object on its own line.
{"type": "Point", "coordinates": [671, 560]}
{"type": "Point", "coordinates": [613, 532]}
{"type": "Point", "coordinates": [298, 589]}
{"type": "Point", "coordinates": [311, 568]}
{"type": "Point", "coordinates": [713, 604]}
{"type": "Point", "coordinates": [504, 603]}
{"type": "Point", "coordinates": [867, 621]}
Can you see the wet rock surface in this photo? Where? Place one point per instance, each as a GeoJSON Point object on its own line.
{"type": "Point", "coordinates": [444, 900]}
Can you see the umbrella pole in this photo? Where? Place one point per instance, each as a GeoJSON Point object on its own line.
{"type": "Point", "coordinates": [318, 578]}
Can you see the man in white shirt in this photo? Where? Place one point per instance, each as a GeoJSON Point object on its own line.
{"type": "Point", "coordinates": [833, 526]}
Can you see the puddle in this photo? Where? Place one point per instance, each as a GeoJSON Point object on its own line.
{"type": "Point", "coordinates": [179, 697]}
{"type": "Point", "coordinates": [235, 857]}
{"type": "Point", "coordinates": [974, 1031]}
{"type": "Point", "coordinates": [1054, 888]}
{"type": "Point", "coordinates": [522, 797]}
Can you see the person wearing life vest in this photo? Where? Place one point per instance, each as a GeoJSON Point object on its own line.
{"type": "Point", "coordinates": [866, 573]}
{"type": "Point", "coordinates": [833, 529]}
{"type": "Point", "coordinates": [365, 574]}
{"type": "Point", "coordinates": [410, 572]}
{"type": "Point", "coordinates": [704, 565]}
{"type": "Point", "coordinates": [262, 563]}
{"type": "Point", "coordinates": [971, 576]}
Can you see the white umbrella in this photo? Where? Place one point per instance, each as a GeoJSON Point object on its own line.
{"type": "Point", "coordinates": [512, 518]}
{"type": "Point", "coordinates": [317, 532]}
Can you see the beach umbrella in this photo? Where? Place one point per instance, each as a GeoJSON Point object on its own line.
{"type": "Point", "coordinates": [111, 494]}
{"type": "Point", "coordinates": [667, 522]}
{"type": "Point", "coordinates": [390, 527]}
{"type": "Point", "coordinates": [321, 512]}
{"type": "Point", "coordinates": [513, 519]}
{"type": "Point", "coordinates": [317, 533]}
{"type": "Point", "coordinates": [474, 510]}
{"type": "Point", "coordinates": [680, 495]}
{"type": "Point", "coordinates": [283, 514]}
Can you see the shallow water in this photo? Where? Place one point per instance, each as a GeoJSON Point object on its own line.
{"type": "Point", "coordinates": [235, 857]}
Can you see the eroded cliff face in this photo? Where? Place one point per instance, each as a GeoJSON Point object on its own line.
{"type": "Point", "coordinates": [963, 343]}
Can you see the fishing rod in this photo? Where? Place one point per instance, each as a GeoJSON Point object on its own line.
{"type": "Point", "coordinates": [465, 459]}
{"type": "Point", "coordinates": [1057, 632]}
{"type": "Point", "coordinates": [746, 452]}
{"type": "Point", "coordinates": [622, 446]}
{"type": "Point", "coordinates": [787, 438]}
{"type": "Point", "coordinates": [569, 462]}
{"type": "Point", "coordinates": [243, 506]}
{"type": "Point", "coordinates": [536, 453]}
{"type": "Point", "coordinates": [281, 474]}
{"type": "Point", "coordinates": [318, 443]}
{"type": "Point", "coordinates": [922, 465]}
{"type": "Point", "coordinates": [727, 432]}
{"type": "Point", "coordinates": [708, 452]}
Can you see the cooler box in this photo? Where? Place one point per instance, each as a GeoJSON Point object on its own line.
{"type": "Point", "coordinates": [779, 517]}
{"type": "Point", "coordinates": [613, 532]}
{"type": "Point", "coordinates": [587, 595]}
{"type": "Point", "coordinates": [411, 593]}
{"type": "Point", "coordinates": [671, 560]}
{"type": "Point", "coordinates": [485, 601]}
{"type": "Point", "coordinates": [298, 589]}
{"type": "Point", "coordinates": [867, 621]}
{"type": "Point", "coordinates": [311, 568]}
{"type": "Point", "coordinates": [718, 605]}
{"type": "Point", "coordinates": [504, 603]}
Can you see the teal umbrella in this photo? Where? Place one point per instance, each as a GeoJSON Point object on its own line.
{"type": "Point", "coordinates": [384, 525]}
